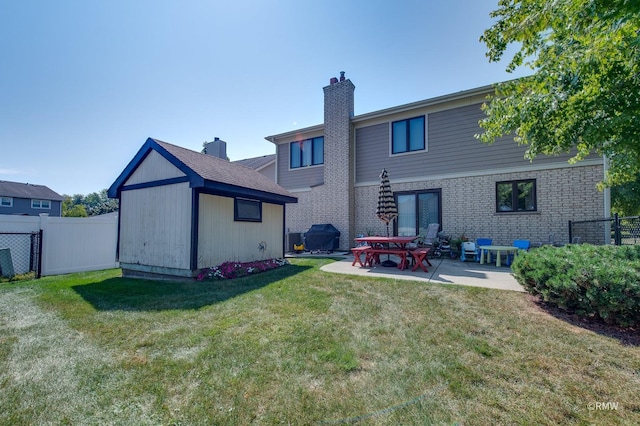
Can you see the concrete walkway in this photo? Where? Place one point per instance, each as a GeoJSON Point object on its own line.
{"type": "Point", "coordinates": [443, 271]}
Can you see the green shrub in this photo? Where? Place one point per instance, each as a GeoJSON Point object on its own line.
{"type": "Point", "coordinates": [592, 281]}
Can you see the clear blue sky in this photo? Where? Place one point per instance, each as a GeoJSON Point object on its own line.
{"type": "Point", "coordinates": [84, 83]}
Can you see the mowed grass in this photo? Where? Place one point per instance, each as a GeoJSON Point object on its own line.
{"type": "Point", "coordinates": [300, 346]}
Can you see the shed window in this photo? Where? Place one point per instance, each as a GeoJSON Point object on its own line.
{"type": "Point", "coordinates": [247, 210]}
{"type": "Point", "coordinates": [40, 204]}
{"type": "Point", "coordinates": [6, 202]}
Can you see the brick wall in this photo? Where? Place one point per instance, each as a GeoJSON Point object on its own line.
{"type": "Point", "coordinates": [334, 201]}
{"type": "Point", "coordinates": [336, 197]}
{"type": "Point", "coordinates": [468, 205]}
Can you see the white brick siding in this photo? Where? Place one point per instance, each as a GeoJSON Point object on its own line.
{"type": "Point", "coordinates": [468, 205]}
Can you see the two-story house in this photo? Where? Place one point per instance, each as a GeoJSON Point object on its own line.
{"type": "Point", "coordinates": [28, 199]}
{"type": "Point", "coordinates": [439, 173]}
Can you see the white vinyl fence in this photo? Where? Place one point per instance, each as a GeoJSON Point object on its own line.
{"type": "Point", "coordinates": [70, 244]}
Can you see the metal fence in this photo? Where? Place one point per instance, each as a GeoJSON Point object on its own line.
{"type": "Point", "coordinates": [614, 230]}
{"type": "Point", "coordinates": [23, 250]}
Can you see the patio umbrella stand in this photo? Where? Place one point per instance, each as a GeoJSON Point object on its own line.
{"type": "Point", "coordinates": [386, 210]}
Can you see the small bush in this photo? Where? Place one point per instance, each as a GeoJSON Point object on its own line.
{"type": "Point", "coordinates": [230, 270]}
{"type": "Point", "coordinates": [592, 281]}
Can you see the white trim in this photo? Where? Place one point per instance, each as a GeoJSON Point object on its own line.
{"type": "Point", "coordinates": [40, 204]}
{"type": "Point", "coordinates": [459, 96]}
{"type": "Point", "coordinates": [518, 169]}
{"type": "Point", "coordinates": [265, 166]}
{"type": "Point", "coordinates": [315, 166]}
{"type": "Point", "coordinates": [282, 137]}
{"type": "Point", "coordinates": [2, 199]}
{"type": "Point", "coordinates": [303, 189]}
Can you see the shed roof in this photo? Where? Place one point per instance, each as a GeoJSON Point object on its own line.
{"type": "Point", "coordinates": [28, 190]}
{"type": "Point", "coordinates": [212, 174]}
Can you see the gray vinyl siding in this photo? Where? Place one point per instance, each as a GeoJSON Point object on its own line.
{"type": "Point", "coordinates": [269, 171]}
{"type": "Point", "coordinates": [303, 177]}
{"type": "Point", "coordinates": [22, 206]}
{"type": "Point", "coordinates": [451, 148]}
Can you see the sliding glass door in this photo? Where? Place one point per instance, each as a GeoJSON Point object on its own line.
{"type": "Point", "coordinates": [416, 210]}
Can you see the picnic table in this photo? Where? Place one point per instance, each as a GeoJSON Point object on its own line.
{"type": "Point", "coordinates": [395, 245]}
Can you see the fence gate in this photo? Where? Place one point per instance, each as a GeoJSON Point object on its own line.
{"type": "Point", "coordinates": [20, 253]}
{"type": "Point", "coordinates": [615, 230]}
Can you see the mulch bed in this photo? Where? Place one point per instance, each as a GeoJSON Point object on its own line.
{"type": "Point", "coordinates": [628, 336]}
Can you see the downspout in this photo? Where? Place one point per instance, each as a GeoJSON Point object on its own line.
{"type": "Point", "coordinates": [273, 141]}
{"type": "Point", "coordinates": [607, 202]}
{"type": "Point", "coordinates": [607, 190]}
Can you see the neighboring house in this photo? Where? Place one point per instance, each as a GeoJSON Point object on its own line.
{"type": "Point", "coordinates": [439, 172]}
{"type": "Point", "coordinates": [28, 199]}
{"type": "Point", "coordinates": [265, 164]}
{"type": "Point", "coordinates": [181, 211]}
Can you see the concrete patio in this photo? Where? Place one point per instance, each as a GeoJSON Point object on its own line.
{"type": "Point", "coordinates": [443, 271]}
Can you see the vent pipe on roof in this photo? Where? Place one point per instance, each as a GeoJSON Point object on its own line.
{"type": "Point", "coordinates": [334, 80]}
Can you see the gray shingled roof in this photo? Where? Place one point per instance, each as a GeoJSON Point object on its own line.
{"type": "Point", "coordinates": [257, 163]}
{"type": "Point", "coordinates": [27, 190]}
{"type": "Point", "coordinates": [218, 170]}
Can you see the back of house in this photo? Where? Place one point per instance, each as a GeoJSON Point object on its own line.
{"type": "Point", "coordinates": [439, 173]}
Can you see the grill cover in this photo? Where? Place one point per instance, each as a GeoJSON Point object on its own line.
{"type": "Point", "coordinates": [322, 237]}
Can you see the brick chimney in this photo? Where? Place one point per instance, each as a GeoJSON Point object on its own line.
{"type": "Point", "coordinates": [339, 157]}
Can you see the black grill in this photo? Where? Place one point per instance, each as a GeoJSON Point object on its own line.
{"type": "Point", "coordinates": [322, 237]}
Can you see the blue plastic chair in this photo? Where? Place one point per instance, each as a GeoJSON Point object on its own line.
{"type": "Point", "coordinates": [522, 245]}
{"type": "Point", "coordinates": [483, 242]}
{"type": "Point", "coordinates": [468, 251]}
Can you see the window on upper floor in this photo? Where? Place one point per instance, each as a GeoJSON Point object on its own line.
{"type": "Point", "coordinates": [247, 210]}
{"type": "Point", "coordinates": [6, 202]}
{"type": "Point", "coordinates": [516, 196]}
{"type": "Point", "coordinates": [309, 152]}
{"type": "Point", "coordinates": [41, 204]}
{"type": "Point", "coordinates": [408, 135]}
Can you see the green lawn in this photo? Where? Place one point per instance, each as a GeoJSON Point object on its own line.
{"type": "Point", "coordinates": [300, 346]}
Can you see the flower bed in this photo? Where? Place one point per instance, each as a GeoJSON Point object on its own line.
{"type": "Point", "coordinates": [230, 270]}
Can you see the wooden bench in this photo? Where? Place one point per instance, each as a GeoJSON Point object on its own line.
{"type": "Point", "coordinates": [373, 256]}
{"type": "Point", "coordinates": [419, 256]}
{"type": "Point", "coordinates": [357, 253]}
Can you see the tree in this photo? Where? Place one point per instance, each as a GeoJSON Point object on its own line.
{"type": "Point", "coordinates": [93, 204]}
{"type": "Point", "coordinates": [583, 93]}
{"type": "Point", "coordinates": [625, 198]}
{"type": "Point", "coordinates": [76, 210]}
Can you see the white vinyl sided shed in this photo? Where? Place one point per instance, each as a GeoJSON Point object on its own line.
{"type": "Point", "coordinates": [181, 211]}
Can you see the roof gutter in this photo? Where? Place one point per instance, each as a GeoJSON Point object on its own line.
{"type": "Point", "coordinates": [273, 139]}
{"type": "Point", "coordinates": [484, 90]}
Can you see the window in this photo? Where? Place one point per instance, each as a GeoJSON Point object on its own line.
{"type": "Point", "coordinates": [416, 210]}
{"type": "Point", "coordinates": [309, 152]}
{"type": "Point", "coordinates": [247, 210]}
{"type": "Point", "coordinates": [6, 202]}
{"type": "Point", "coordinates": [40, 204]}
{"type": "Point", "coordinates": [516, 196]}
{"type": "Point", "coordinates": [407, 135]}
